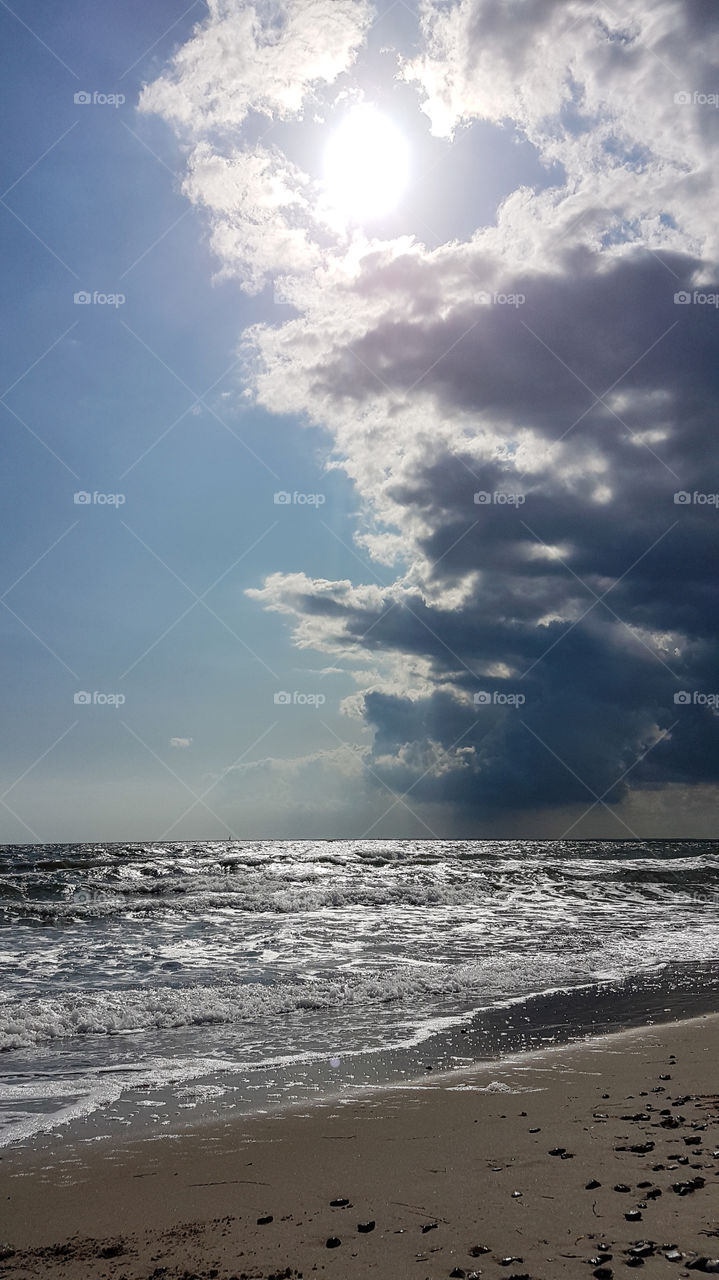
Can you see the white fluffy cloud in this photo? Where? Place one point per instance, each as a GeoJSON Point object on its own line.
{"type": "Point", "coordinates": [262, 57]}
{"type": "Point", "coordinates": [617, 97]}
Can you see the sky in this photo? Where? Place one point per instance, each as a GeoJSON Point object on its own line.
{"type": "Point", "coordinates": [359, 418]}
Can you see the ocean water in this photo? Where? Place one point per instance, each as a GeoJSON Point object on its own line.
{"type": "Point", "coordinates": [144, 987]}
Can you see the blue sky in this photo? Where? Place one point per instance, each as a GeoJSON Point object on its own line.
{"type": "Point", "coordinates": [395, 386]}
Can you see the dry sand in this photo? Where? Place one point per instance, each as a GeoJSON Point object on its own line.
{"type": "Point", "coordinates": [442, 1169]}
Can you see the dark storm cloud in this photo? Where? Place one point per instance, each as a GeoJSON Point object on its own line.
{"type": "Point", "coordinates": [598, 689]}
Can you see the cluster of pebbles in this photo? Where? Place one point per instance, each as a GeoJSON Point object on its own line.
{"type": "Point", "coordinates": [669, 1119]}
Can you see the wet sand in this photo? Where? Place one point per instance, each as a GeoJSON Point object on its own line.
{"type": "Point", "coordinates": [483, 1172]}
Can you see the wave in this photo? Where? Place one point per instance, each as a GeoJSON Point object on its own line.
{"type": "Point", "coordinates": [301, 891]}
{"type": "Point", "coordinates": [29, 1022]}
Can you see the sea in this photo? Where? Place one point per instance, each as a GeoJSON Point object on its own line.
{"type": "Point", "coordinates": [146, 988]}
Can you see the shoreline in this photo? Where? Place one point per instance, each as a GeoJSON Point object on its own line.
{"type": "Point", "coordinates": [444, 1150]}
{"type": "Point", "coordinates": [117, 1107]}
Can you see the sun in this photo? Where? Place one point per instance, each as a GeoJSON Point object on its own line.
{"type": "Point", "coordinates": [366, 164]}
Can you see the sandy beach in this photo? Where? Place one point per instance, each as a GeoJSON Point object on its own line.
{"type": "Point", "coordinates": [555, 1163]}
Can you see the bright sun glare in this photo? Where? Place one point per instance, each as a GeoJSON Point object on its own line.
{"type": "Point", "coordinates": [366, 164]}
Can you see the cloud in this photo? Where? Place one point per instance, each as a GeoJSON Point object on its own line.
{"type": "Point", "coordinates": [264, 57]}
{"type": "Point", "coordinates": [542, 362]}
{"type": "Point", "coordinates": [599, 91]}
{"type": "Point", "coordinates": [180, 743]}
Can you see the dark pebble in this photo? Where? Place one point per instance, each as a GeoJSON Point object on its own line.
{"type": "Point", "coordinates": [686, 1188]}
{"type": "Point", "coordinates": [603, 1273]}
{"type": "Point", "coordinates": [665, 1077]}
{"type": "Point", "coordinates": [365, 1226]}
{"type": "Point", "coordinates": [692, 1142]}
{"type": "Point", "coordinates": [633, 1216]}
{"type": "Point", "coordinates": [261, 1222]}
{"type": "Point", "coordinates": [592, 1186]}
{"type": "Point", "coordinates": [622, 1186]}
{"type": "Point", "coordinates": [644, 1184]}
{"type": "Point", "coordinates": [535, 1130]}
{"type": "Point", "coordinates": [429, 1226]}
{"type": "Point", "coordinates": [634, 1261]}
{"type": "Point", "coordinates": [642, 1249]}
{"type": "Point", "coordinates": [339, 1203]}
{"type": "Point", "coordinates": [566, 1155]}
{"type": "Point", "coordinates": [557, 1151]}
{"type": "Point", "coordinates": [654, 1194]}
{"type": "Point", "coordinates": [458, 1272]}
{"type": "Point", "coordinates": [333, 1242]}
{"type": "Point", "coordinates": [478, 1249]}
